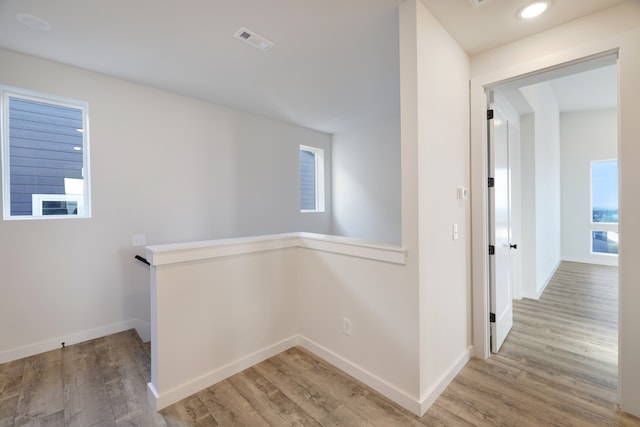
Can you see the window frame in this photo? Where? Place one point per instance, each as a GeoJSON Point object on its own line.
{"type": "Point", "coordinates": [7, 92]}
{"type": "Point", "coordinates": [318, 155]}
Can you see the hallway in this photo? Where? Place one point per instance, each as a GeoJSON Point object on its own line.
{"type": "Point", "coordinates": [558, 366]}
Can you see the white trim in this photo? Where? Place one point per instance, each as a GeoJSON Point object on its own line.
{"type": "Point", "coordinates": [398, 396]}
{"type": "Point", "coordinates": [5, 93]}
{"type": "Point", "coordinates": [318, 155]}
{"type": "Point", "coordinates": [37, 199]}
{"type": "Point", "coordinates": [609, 261]}
{"type": "Point", "coordinates": [443, 382]}
{"type": "Point", "coordinates": [207, 380]}
{"type": "Point", "coordinates": [174, 253]}
{"type": "Point", "coordinates": [584, 53]}
{"type": "Point", "coordinates": [418, 407]}
{"type": "Point", "coordinates": [143, 328]}
{"type": "Point", "coordinates": [544, 285]}
{"type": "Point", "coordinates": [159, 255]}
{"type": "Point", "coordinates": [73, 338]}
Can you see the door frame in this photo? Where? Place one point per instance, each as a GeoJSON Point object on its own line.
{"type": "Point", "coordinates": [479, 174]}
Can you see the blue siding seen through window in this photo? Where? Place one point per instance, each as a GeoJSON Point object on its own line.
{"type": "Point", "coordinates": [307, 180]}
{"type": "Point", "coordinates": [45, 147]}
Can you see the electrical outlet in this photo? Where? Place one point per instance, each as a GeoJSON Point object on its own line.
{"type": "Point", "coordinates": [138, 240]}
{"type": "Point", "coordinates": [346, 326]}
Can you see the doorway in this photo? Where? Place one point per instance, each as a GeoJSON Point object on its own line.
{"type": "Point", "coordinates": [538, 181]}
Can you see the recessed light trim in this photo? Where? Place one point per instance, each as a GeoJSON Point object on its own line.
{"type": "Point", "coordinates": [534, 9]}
{"type": "Point", "coordinates": [33, 22]}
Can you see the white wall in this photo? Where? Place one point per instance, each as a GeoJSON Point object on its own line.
{"type": "Point", "coordinates": [170, 167]}
{"type": "Point", "coordinates": [547, 184]}
{"type": "Point", "coordinates": [614, 29]}
{"type": "Point", "coordinates": [585, 136]}
{"type": "Point", "coordinates": [380, 301]}
{"type": "Point", "coordinates": [366, 171]}
{"type": "Point", "coordinates": [528, 244]}
{"type": "Point", "coordinates": [443, 162]}
{"type": "Point", "coordinates": [215, 317]}
{"type": "Point", "coordinates": [221, 306]}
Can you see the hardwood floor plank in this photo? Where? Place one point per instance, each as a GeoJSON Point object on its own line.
{"type": "Point", "coordinates": [496, 405]}
{"type": "Point", "coordinates": [85, 397]}
{"type": "Point", "coordinates": [439, 414]}
{"type": "Point", "coordinates": [549, 405]}
{"type": "Point", "coordinates": [343, 416]}
{"type": "Point", "coordinates": [147, 419]}
{"type": "Point", "coordinates": [11, 378]}
{"type": "Point", "coordinates": [41, 389]}
{"type": "Point", "coordinates": [297, 388]}
{"type": "Point", "coordinates": [273, 405]}
{"type": "Point", "coordinates": [124, 382]}
{"type": "Point", "coordinates": [351, 393]}
{"type": "Point", "coordinates": [8, 410]}
{"type": "Point", "coordinates": [557, 367]}
{"type": "Point", "coordinates": [189, 412]}
{"type": "Point", "coordinates": [229, 408]}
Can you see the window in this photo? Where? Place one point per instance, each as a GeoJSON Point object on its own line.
{"type": "Point", "coordinates": [604, 207]}
{"type": "Point", "coordinates": [604, 191]}
{"type": "Point", "coordinates": [45, 156]}
{"type": "Point", "coordinates": [311, 179]}
{"type": "Point", "coordinates": [604, 242]}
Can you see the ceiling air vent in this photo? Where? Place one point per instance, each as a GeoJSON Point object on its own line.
{"type": "Point", "coordinates": [478, 3]}
{"type": "Point", "coordinates": [253, 39]}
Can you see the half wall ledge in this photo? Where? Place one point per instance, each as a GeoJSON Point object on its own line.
{"type": "Point", "coordinates": [158, 255]}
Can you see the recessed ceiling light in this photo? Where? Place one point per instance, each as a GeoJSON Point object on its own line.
{"type": "Point", "coordinates": [533, 9]}
{"type": "Point", "coordinates": [33, 22]}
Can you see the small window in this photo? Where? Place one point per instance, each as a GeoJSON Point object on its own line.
{"type": "Point", "coordinates": [311, 179]}
{"type": "Point", "coordinates": [45, 156]}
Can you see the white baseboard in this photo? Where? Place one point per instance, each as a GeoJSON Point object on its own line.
{"type": "Point", "coordinates": [398, 396]}
{"type": "Point", "coordinates": [418, 407]}
{"type": "Point", "coordinates": [169, 397]}
{"type": "Point", "coordinates": [541, 289]}
{"type": "Point", "coordinates": [160, 401]}
{"type": "Point", "coordinates": [605, 260]}
{"type": "Point", "coordinates": [143, 328]}
{"type": "Point", "coordinates": [434, 392]}
{"type": "Point", "coordinates": [69, 339]}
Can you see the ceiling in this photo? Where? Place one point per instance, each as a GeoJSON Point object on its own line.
{"type": "Point", "coordinates": [495, 22]}
{"type": "Point", "coordinates": [334, 65]}
{"type": "Point", "coordinates": [584, 86]}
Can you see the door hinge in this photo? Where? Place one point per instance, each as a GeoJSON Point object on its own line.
{"type": "Point", "coordinates": [492, 317]}
{"type": "Point", "coordinates": [489, 114]}
{"type": "Point", "coordinates": [492, 250]}
{"type": "Point", "coordinates": [492, 183]}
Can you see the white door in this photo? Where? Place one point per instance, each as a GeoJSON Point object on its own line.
{"type": "Point", "coordinates": [501, 298]}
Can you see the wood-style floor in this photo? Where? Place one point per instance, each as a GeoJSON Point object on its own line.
{"type": "Point", "coordinates": [557, 367]}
